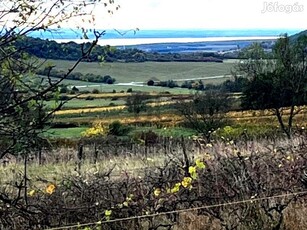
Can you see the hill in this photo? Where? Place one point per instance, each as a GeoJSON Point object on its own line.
{"type": "Point", "coordinates": [49, 49]}
{"type": "Point", "coordinates": [294, 37]}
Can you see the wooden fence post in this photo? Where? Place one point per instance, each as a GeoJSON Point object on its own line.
{"type": "Point", "coordinates": [40, 156]}
{"type": "Point", "coordinates": [185, 157]}
{"type": "Point", "coordinates": [80, 157]}
{"type": "Point", "coordinates": [95, 153]}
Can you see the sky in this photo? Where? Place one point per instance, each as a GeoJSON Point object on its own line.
{"type": "Point", "coordinates": [205, 14]}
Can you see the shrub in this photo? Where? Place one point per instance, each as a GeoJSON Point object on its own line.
{"type": "Point", "coordinates": [110, 81]}
{"type": "Point", "coordinates": [95, 91]}
{"type": "Point", "coordinates": [63, 98]}
{"type": "Point", "coordinates": [63, 89]}
{"type": "Point", "coordinates": [74, 89]}
{"type": "Point", "coordinates": [116, 128]}
{"type": "Point", "coordinates": [89, 98]}
{"type": "Point", "coordinates": [129, 90]}
{"type": "Point", "coordinates": [97, 130]}
{"type": "Point", "coordinates": [150, 83]}
{"type": "Point", "coordinates": [147, 138]}
{"type": "Point", "coordinates": [85, 92]}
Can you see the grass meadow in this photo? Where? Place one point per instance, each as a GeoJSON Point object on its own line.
{"type": "Point", "coordinates": [142, 72]}
{"type": "Point", "coordinates": [82, 103]}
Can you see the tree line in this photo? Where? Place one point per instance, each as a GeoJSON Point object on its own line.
{"type": "Point", "coordinates": [49, 49]}
{"type": "Point", "coordinates": [89, 77]}
{"type": "Point", "coordinates": [235, 85]}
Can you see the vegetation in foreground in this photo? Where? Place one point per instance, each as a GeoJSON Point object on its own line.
{"type": "Point", "coordinates": [169, 183]}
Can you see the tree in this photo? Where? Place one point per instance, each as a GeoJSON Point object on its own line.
{"type": "Point", "coordinates": [136, 103]}
{"type": "Point", "coordinates": [206, 111]}
{"type": "Point", "coordinates": [276, 81]}
{"type": "Point", "coordinates": [151, 82]}
{"type": "Point", "coordinates": [23, 114]}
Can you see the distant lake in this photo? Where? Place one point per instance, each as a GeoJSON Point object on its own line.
{"type": "Point", "coordinates": [70, 34]}
{"type": "Point", "coordinates": [144, 41]}
{"type": "Point", "coordinates": [171, 40]}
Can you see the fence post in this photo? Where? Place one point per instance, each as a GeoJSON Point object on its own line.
{"type": "Point", "coordinates": [164, 145]}
{"type": "Point", "coordinates": [95, 153]}
{"type": "Point", "coordinates": [80, 157]}
{"type": "Point", "coordinates": [185, 157]}
{"type": "Point", "coordinates": [40, 156]}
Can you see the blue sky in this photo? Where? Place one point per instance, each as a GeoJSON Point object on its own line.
{"type": "Point", "coordinates": [205, 14]}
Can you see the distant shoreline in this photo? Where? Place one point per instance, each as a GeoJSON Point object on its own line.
{"type": "Point", "coordinates": [143, 41]}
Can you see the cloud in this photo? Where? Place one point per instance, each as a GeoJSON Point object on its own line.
{"type": "Point", "coordinates": [167, 14]}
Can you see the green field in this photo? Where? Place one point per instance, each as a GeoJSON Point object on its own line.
{"type": "Point", "coordinates": [118, 88]}
{"type": "Point", "coordinates": [133, 72]}
{"type": "Point", "coordinates": [142, 72]}
{"type": "Point", "coordinates": [66, 133]}
{"type": "Point", "coordinates": [82, 103]}
{"type": "Point", "coordinates": [167, 132]}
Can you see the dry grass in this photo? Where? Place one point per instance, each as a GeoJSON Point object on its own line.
{"type": "Point", "coordinates": [132, 167]}
{"type": "Point", "coordinates": [295, 216]}
{"type": "Point", "coordinates": [63, 161]}
{"type": "Point", "coordinates": [108, 108]}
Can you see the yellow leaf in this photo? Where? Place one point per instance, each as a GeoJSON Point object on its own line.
{"type": "Point", "coordinates": [200, 164]}
{"type": "Point", "coordinates": [50, 189]}
{"type": "Point", "coordinates": [157, 191]}
{"type": "Point", "coordinates": [192, 169]}
{"type": "Point", "coordinates": [31, 193]}
{"type": "Point", "coordinates": [176, 188]}
{"type": "Point", "coordinates": [193, 175]}
{"type": "Point", "coordinates": [108, 212]}
{"type": "Point", "coordinates": [186, 182]}
{"type": "Point", "coordinates": [125, 204]}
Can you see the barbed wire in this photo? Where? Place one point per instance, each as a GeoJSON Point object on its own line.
{"type": "Point", "coordinates": [182, 210]}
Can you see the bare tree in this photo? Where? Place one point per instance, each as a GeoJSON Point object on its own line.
{"type": "Point", "coordinates": [206, 111]}
{"type": "Point", "coordinates": [136, 103]}
{"type": "Point", "coordinates": [23, 114]}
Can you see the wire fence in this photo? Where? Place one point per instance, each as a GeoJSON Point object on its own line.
{"type": "Point", "coordinates": [301, 193]}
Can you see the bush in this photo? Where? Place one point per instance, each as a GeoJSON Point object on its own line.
{"type": "Point", "coordinates": [150, 83]}
{"type": "Point", "coordinates": [110, 81]}
{"type": "Point", "coordinates": [171, 84]}
{"type": "Point", "coordinates": [63, 98]}
{"type": "Point", "coordinates": [89, 98]}
{"type": "Point", "coordinates": [129, 90]}
{"type": "Point", "coordinates": [85, 92]}
{"type": "Point", "coordinates": [96, 130]}
{"type": "Point", "coordinates": [63, 125]}
{"type": "Point", "coordinates": [206, 112]}
{"type": "Point", "coordinates": [74, 89]}
{"type": "Point", "coordinates": [63, 89]}
{"type": "Point", "coordinates": [116, 128]}
{"type": "Point", "coordinates": [95, 91]}
{"type": "Point", "coordinates": [147, 138]}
